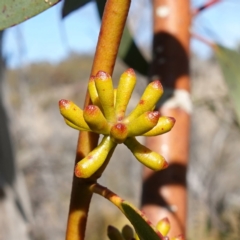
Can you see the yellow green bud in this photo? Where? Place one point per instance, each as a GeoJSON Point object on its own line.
{"type": "Point", "coordinates": [103, 82]}
{"type": "Point", "coordinates": [146, 156]}
{"type": "Point", "coordinates": [86, 167]}
{"type": "Point", "coordinates": [93, 92]}
{"type": "Point", "coordinates": [125, 88]}
{"type": "Point", "coordinates": [148, 100]}
{"type": "Point", "coordinates": [95, 119]}
{"type": "Point", "coordinates": [165, 124]}
{"type": "Point", "coordinates": [119, 132]}
{"type": "Point", "coordinates": [70, 124]}
{"type": "Point", "coordinates": [143, 123]}
{"type": "Point", "coordinates": [73, 114]}
{"type": "Point", "coordinates": [106, 116]}
{"type": "Point", "coordinates": [115, 95]}
{"type": "Point", "coordinates": [163, 226]}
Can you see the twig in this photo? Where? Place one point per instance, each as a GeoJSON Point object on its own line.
{"type": "Point", "coordinates": [204, 40]}
{"type": "Point", "coordinates": [113, 23]}
{"type": "Point", "coordinates": [196, 11]}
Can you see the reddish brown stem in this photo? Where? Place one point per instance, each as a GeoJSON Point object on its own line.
{"type": "Point", "coordinates": [113, 22]}
{"type": "Point", "coordinates": [164, 193]}
{"type": "Point", "coordinates": [204, 6]}
{"type": "Point", "coordinates": [204, 40]}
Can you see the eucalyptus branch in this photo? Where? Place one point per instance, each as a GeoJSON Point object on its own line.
{"type": "Point", "coordinates": [114, 18]}
{"type": "Point", "coordinates": [206, 5]}
{"type": "Point", "coordinates": [129, 211]}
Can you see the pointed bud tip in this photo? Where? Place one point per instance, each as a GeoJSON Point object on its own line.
{"type": "Point", "coordinates": [119, 132]}
{"type": "Point", "coordinates": [111, 228]}
{"type": "Point", "coordinates": [120, 127]}
{"type": "Point", "coordinates": [166, 238]}
{"type": "Point", "coordinates": [63, 103]}
{"type": "Point", "coordinates": [165, 220]}
{"type": "Point", "coordinates": [165, 164]}
{"type": "Point", "coordinates": [103, 75]}
{"type": "Point", "coordinates": [154, 115]}
{"type": "Point", "coordinates": [77, 172]}
{"type": "Point", "coordinates": [130, 71]}
{"type": "Point", "coordinates": [173, 120]}
{"type": "Point", "coordinates": [91, 109]}
{"type": "Point", "coordinates": [92, 78]}
{"type": "Point", "coordinates": [157, 84]}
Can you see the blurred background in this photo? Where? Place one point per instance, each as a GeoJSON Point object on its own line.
{"type": "Point", "coordinates": [46, 59]}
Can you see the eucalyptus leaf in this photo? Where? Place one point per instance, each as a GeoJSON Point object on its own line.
{"type": "Point", "coordinates": [229, 61]}
{"type": "Point", "coordinates": [17, 11]}
{"type": "Point", "coordinates": [143, 229]}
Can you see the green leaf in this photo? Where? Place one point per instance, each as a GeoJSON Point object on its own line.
{"type": "Point", "coordinates": [143, 228]}
{"type": "Point", "coordinates": [16, 11]}
{"type": "Point", "coordinates": [229, 61]}
{"type": "Point", "coordinates": [128, 232]}
{"type": "Point", "coordinates": [131, 55]}
{"type": "Point", "coordinates": [71, 5]}
{"type": "Point", "coordinates": [114, 233]}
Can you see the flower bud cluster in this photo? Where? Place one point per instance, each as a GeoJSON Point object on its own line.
{"type": "Point", "coordinates": [107, 116]}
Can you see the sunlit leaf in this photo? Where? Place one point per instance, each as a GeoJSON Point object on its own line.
{"type": "Point", "coordinates": [229, 61]}
{"type": "Point", "coordinates": [16, 11]}
{"type": "Point", "coordinates": [143, 229]}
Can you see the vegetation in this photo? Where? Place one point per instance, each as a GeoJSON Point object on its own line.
{"type": "Point", "coordinates": [112, 120]}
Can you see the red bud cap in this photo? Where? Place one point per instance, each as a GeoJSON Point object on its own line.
{"type": "Point", "coordinates": [63, 103]}
{"type": "Point", "coordinates": [157, 84]}
{"type": "Point", "coordinates": [154, 116]}
{"type": "Point", "coordinates": [92, 78]}
{"type": "Point", "coordinates": [103, 75]}
{"type": "Point", "coordinates": [91, 110]}
{"type": "Point", "coordinates": [172, 119]}
{"type": "Point", "coordinates": [130, 71]}
{"type": "Point", "coordinates": [119, 132]}
{"type": "Point", "coordinates": [165, 220]}
{"type": "Point", "coordinates": [165, 165]}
